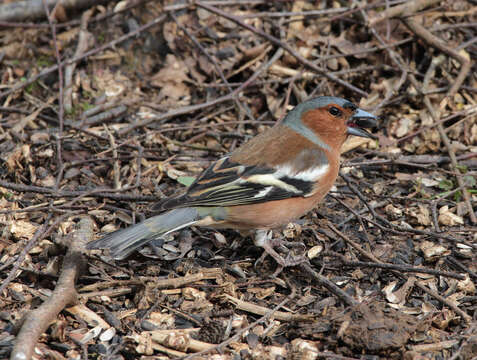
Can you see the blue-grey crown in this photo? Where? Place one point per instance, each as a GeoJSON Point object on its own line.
{"type": "Point", "coordinates": [315, 103]}
{"type": "Point", "coordinates": [293, 118]}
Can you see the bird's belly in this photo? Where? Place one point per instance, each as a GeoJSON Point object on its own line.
{"type": "Point", "coordinates": [270, 214]}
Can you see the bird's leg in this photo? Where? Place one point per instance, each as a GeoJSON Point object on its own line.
{"type": "Point", "coordinates": [264, 239]}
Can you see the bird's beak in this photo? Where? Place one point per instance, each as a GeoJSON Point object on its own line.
{"type": "Point", "coordinates": [361, 119]}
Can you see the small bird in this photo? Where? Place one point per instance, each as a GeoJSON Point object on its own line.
{"type": "Point", "coordinates": [271, 180]}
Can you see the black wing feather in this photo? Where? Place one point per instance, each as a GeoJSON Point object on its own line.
{"type": "Point", "coordinates": [224, 183]}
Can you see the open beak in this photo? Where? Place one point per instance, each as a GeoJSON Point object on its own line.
{"type": "Point", "coordinates": [361, 119]}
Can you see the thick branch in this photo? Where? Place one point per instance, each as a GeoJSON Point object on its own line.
{"type": "Point", "coordinates": [38, 320]}
{"type": "Point", "coordinates": [33, 9]}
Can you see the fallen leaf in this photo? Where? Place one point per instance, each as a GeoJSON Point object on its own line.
{"type": "Point", "coordinates": [431, 250]}
{"type": "Point", "coordinates": [446, 217]}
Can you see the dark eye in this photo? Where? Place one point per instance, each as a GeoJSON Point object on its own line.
{"type": "Point", "coordinates": [335, 111]}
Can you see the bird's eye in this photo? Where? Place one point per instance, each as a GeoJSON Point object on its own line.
{"type": "Point", "coordinates": [335, 111]}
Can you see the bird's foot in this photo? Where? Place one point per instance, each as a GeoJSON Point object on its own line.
{"type": "Point", "coordinates": [265, 240]}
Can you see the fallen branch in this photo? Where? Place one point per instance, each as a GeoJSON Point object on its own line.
{"type": "Point", "coordinates": [84, 41]}
{"type": "Point", "coordinates": [33, 9]}
{"type": "Point", "coordinates": [38, 320]}
{"type": "Point", "coordinates": [101, 193]}
{"type": "Point", "coordinates": [408, 8]}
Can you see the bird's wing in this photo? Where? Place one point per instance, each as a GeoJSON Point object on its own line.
{"type": "Point", "coordinates": [226, 183]}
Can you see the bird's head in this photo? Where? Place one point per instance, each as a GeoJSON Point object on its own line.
{"type": "Point", "coordinates": [328, 120]}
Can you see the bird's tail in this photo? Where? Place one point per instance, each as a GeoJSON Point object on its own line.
{"type": "Point", "coordinates": [122, 242]}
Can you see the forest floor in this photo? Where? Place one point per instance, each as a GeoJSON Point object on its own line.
{"type": "Point", "coordinates": [106, 109]}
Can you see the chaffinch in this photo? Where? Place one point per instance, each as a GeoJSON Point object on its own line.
{"type": "Point", "coordinates": [273, 179]}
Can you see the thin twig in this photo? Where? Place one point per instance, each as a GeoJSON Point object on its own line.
{"type": "Point", "coordinates": [59, 141]}
{"type": "Point", "coordinates": [322, 280]}
{"type": "Point", "coordinates": [84, 39]}
{"type": "Point", "coordinates": [21, 84]}
{"type": "Point", "coordinates": [192, 108]}
{"type": "Point", "coordinates": [282, 45]}
{"type": "Point", "coordinates": [98, 193]}
{"type": "Point", "coordinates": [42, 232]}
{"type": "Point", "coordinates": [432, 40]}
{"type": "Point", "coordinates": [242, 331]}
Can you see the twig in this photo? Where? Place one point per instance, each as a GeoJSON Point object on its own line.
{"type": "Point", "coordinates": [420, 31]}
{"type": "Point", "coordinates": [423, 287]}
{"type": "Point", "coordinates": [30, 118]}
{"type": "Point", "coordinates": [49, 70]}
{"type": "Point", "coordinates": [409, 7]}
{"type": "Point", "coordinates": [467, 318]}
{"type": "Point", "coordinates": [394, 227]}
{"type": "Point", "coordinates": [192, 108]}
{"type": "Point", "coordinates": [403, 268]}
{"type": "Point", "coordinates": [328, 284]}
{"type": "Point", "coordinates": [355, 245]}
{"type": "Point", "coordinates": [84, 39]}
{"type": "Point", "coordinates": [260, 310]}
{"type": "Point", "coordinates": [101, 193]}
{"type": "Point", "coordinates": [108, 115]}
{"type": "Point", "coordinates": [359, 195]}
{"type": "Point", "coordinates": [282, 45]}
{"type": "Point", "coordinates": [453, 261]}
{"type": "Point", "coordinates": [445, 138]}
{"type": "Point", "coordinates": [427, 36]}
{"type": "Point", "coordinates": [240, 106]}
{"type": "Point", "coordinates": [237, 336]}
{"type": "Point", "coordinates": [296, 14]}
{"type": "Point", "coordinates": [450, 151]}
{"type": "Point", "coordinates": [39, 234]}
{"type": "Point", "coordinates": [471, 111]}
{"type": "Point", "coordinates": [116, 166]}
{"type": "Point", "coordinates": [396, 58]}
{"type": "Point", "coordinates": [38, 320]}
{"type": "Point", "coordinates": [59, 136]}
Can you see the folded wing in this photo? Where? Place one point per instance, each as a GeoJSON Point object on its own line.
{"type": "Point", "coordinates": [226, 183]}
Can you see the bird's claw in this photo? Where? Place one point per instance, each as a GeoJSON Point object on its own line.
{"type": "Point", "coordinates": [269, 245]}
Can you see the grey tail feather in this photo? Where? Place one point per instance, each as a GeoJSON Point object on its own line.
{"type": "Point", "coordinates": [122, 242]}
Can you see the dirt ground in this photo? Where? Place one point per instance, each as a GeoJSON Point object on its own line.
{"type": "Point", "coordinates": [107, 107]}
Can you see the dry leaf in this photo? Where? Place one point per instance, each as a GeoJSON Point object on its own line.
{"type": "Point", "coordinates": [446, 217]}
{"type": "Point", "coordinates": [21, 229]}
{"type": "Point", "coordinates": [399, 296]}
{"type": "Point", "coordinates": [171, 80]}
{"type": "Point", "coordinates": [89, 316]}
{"type": "Point", "coordinates": [466, 285]}
{"type": "Point", "coordinates": [431, 250]}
